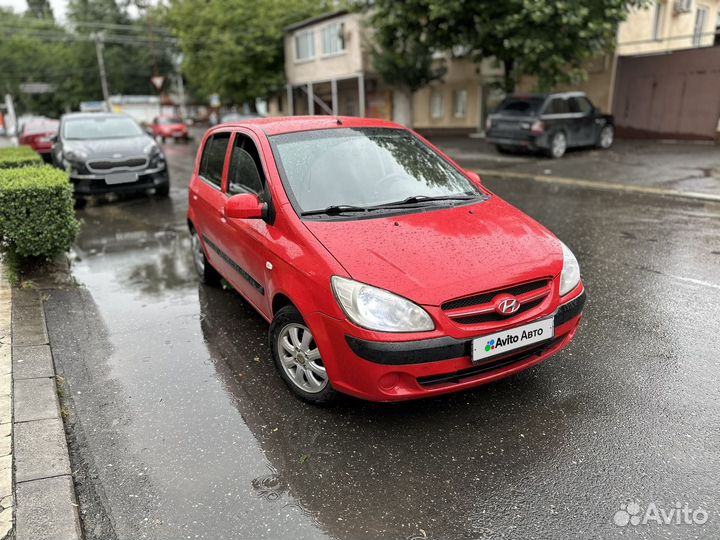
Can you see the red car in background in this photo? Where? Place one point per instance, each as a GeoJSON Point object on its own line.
{"type": "Point", "coordinates": [169, 127]}
{"type": "Point", "coordinates": [387, 271]}
{"type": "Point", "coordinates": [38, 135]}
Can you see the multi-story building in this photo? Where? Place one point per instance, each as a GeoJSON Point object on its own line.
{"type": "Point", "coordinates": [665, 53]}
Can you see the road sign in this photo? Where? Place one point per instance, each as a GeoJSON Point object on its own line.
{"type": "Point", "coordinates": [157, 82]}
{"type": "Point", "coordinates": [214, 100]}
{"type": "Point", "coordinates": [37, 88]}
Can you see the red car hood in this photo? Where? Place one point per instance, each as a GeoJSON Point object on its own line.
{"type": "Point", "coordinates": [444, 254]}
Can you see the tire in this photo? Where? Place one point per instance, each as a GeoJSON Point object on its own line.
{"type": "Point", "coordinates": [80, 202]}
{"type": "Point", "coordinates": [208, 275]}
{"type": "Point", "coordinates": [163, 190]}
{"type": "Point", "coordinates": [558, 145]}
{"type": "Point", "coordinates": [163, 140]}
{"type": "Point", "coordinates": [298, 359]}
{"type": "Point", "coordinates": [606, 137]}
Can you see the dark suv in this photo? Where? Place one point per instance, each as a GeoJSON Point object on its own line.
{"type": "Point", "coordinates": [549, 122]}
{"type": "Point", "coordinates": [109, 153]}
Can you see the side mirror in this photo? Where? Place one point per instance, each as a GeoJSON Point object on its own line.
{"type": "Point", "coordinates": [475, 177]}
{"type": "Point", "coordinates": [245, 206]}
{"type": "Point", "coordinates": [54, 139]}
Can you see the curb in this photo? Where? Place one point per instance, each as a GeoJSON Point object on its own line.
{"type": "Point", "coordinates": [599, 185]}
{"type": "Point", "coordinates": [6, 406]}
{"type": "Point", "coordinates": [44, 495]}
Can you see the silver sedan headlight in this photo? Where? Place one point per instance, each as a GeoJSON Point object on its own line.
{"type": "Point", "coordinates": [570, 276]}
{"type": "Point", "coordinates": [378, 309]}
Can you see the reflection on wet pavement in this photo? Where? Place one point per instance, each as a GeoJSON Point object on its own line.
{"type": "Point", "coordinates": [180, 428]}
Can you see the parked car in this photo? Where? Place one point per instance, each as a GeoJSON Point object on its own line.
{"type": "Point", "coordinates": [109, 153]}
{"type": "Point", "coordinates": [170, 127]}
{"type": "Point", "coordinates": [386, 271]}
{"type": "Point", "coordinates": [549, 122]}
{"type": "Point", "coordinates": [38, 134]}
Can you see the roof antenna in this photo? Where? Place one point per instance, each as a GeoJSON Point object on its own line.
{"type": "Point", "coordinates": [339, 122]}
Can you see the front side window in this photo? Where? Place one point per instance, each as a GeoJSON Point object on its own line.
{"type": "Point", "coordinates": [459, 103]}
{"type": "Point", "coordinates": [363, 167]}
{"type": "Point", "coordinates": [333, 38]}
{"type": "Point", "coordinates": [700, 17]}
{"type": "Point", "coordinates": [245, 173]}
{"type": "Point", "coordinates": [304, 46]}
{"type": "Point", "coordinates": [580, 105]}
{"type": "Point", "coordinates": [100, 127]}
{"type": "Point", "coordinates": [436, 104]}
{"type": "Point", "coordinates": [213, 158]}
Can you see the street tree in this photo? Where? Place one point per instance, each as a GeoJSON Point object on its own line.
{"type": "Point", "coordinates": [552, 40]}
{"type": "Point", "coordinates": [402, 53]}
{"type": "Point", "coordinates": [234, 48]}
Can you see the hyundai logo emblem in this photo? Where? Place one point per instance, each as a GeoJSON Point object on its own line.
{"type": "Point", "coordinates": [507, 305]}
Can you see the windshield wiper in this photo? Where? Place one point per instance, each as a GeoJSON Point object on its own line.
{"type": "Point", "coordinates": [427, 198]}
{"type": "Point", "coordinates": [335, 209]}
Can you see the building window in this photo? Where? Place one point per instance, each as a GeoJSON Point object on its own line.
{"type": "Point", "coordinates": [436, 104]}
{"type": "Point", "coordinates": [459, 103]}
{"type": "Point", "coordinates": [304, 45]}
{"type": "Point", "coordinates": [717, 30]}
{"type": "Point", "coordinates": [658, 20]}
{"type": "Point", "coordinates": [333, 38]}
{"type": "Point", "coordinates": [700, 17]}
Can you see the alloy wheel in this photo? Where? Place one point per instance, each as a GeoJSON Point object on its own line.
{"type": "Point", "coordinates": [559, 145]}
{"type": "Point", "coordinates": [300, 358]}
{"type": "Point", "coordinates": [606, 137]}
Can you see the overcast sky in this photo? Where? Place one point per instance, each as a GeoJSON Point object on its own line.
{"type": "Point", "coordinates": [19, 6]}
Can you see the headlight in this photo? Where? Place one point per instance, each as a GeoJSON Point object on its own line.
{"type": "Point", "coordinates": [151, 149]}
{"type": "Point", "coordinates": [378, 309]}
{"type": "Point", "coordinates": [75, 155]}
{"type": "Point", "coordinates": [570, 276]}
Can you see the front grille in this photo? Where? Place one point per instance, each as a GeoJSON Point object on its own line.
{"type": "Point", "coordinates": [494, 316]}
{"type": "Point", "coordinates": [106, 165]}
{"type": "Point", "coordinates": [458, 376]}
{"type": "Point", "coordinates": [486, 297]}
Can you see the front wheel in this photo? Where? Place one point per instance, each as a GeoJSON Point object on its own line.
{"type": "Point", "coordinates": [208, 275]}
{"type": "Point", "coordinates": [558, 145]}
{"type": "Point", "coordinates": [607, 137]}
{"type": "Point", "coordinates": [297, 357]}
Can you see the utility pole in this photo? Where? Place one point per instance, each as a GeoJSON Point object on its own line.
{"type": "Point", "coordinates": [101, 66]}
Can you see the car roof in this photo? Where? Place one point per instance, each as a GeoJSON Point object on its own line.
{"type": "Point", "coordinates": [548, 95]}
{"type": "Point", "coordinates": [93, 115]}
{"type": "Point", "coordinates": [276, 125]}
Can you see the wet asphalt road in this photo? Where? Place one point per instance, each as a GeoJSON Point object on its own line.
{"type": "Point", "coordinates": [179, 427]}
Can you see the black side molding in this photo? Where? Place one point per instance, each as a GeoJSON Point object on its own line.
{"type": "Point", "coordinates": [235, 266]}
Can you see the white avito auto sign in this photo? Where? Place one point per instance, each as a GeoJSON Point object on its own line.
{"type": "Point", "coordinates": [486, 347]}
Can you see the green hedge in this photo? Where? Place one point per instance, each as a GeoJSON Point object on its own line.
{"type": "Point", "coordinates": [37, 216]}
{"type": "Point", "coordinates": [21, 156]}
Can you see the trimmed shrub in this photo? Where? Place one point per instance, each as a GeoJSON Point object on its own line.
{"type": "Point", "coordinates": [20, 156]}
{"type": "Point", "coordinates": [37, 216]}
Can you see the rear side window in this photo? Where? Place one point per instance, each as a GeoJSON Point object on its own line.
{"type": "Point", "coordinates": [213, 158]}
{"type": "Point", "coordinates": [557, 106]}
{"type": "Point", "coordinates": [245, 174]}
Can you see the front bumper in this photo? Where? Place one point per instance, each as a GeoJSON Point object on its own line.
{"type": "Point", "coordinates": [402, 370]}
{"type": "Point", "coordinates": [87, 185]}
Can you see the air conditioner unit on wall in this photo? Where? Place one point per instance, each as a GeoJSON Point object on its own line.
{"type": "Point", "coordinates": [682, 6]}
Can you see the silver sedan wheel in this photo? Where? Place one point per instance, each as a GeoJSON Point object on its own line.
{"type": "Point", "coordinates": [606, 137]}
{"type": "Point", "coordinates": [559, 145]}
{"type": "Point", "coordinates": [300, 358]}
{"type": "Point", "coordinates": [198, 253]}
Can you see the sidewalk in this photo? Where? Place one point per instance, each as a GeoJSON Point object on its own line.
{"type": "Point", "coordinates": [31, 425]}
{"type": "Point", "coordinates": [687, 169]}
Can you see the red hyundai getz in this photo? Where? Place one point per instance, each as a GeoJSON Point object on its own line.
{"type": "Point", "coordinates": [386, 271]}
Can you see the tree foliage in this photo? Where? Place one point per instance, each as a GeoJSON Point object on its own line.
{"type": "Point", "coordinates": [35, 48]}
{"type": "Point", "coordinates": [550, 39]}
{"type": "Point", "coordinates": [234, 48]}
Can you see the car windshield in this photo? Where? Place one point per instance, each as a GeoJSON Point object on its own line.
{"type": "Point", "coordinates": [521, 106]}
{"type": "Point", "coordinates": [100, 127]}
{"type": "Point", "coordinates": [366, 167]}
{"type": "Point", "coordinates": [169, 121]}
